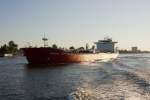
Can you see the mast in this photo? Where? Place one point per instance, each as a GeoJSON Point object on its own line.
{"type": "Point", "coordinates": [45, 39]}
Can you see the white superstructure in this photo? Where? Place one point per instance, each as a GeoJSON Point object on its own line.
{"type": "Point", "coordinates": [106, 45]}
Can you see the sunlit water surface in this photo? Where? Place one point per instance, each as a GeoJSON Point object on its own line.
{"type": "Point", "coordinates": [126, 78]}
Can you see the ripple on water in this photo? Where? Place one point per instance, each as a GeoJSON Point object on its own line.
{"type": "Point", "coordinates": [121, 79]}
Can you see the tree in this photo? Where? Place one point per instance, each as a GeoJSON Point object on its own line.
{"type": "Point", "coordinates": [54, 46]}
{"type": "Point", "coordinates": [4, 49]}
{"type": "Point", "coordinates": [12, 47]}
{"type": "Point", "coordinates": [72, 48]}
{"type": "Point", "coordinates": [93, 47]}
{"type": "Point", "coordinates": [81, 48]}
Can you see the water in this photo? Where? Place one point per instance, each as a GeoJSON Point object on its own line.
{"type": "Point", "coordinates": [126, 78]}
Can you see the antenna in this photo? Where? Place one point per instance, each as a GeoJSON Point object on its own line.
{"type": "Point", "coordinates": [45, 39]}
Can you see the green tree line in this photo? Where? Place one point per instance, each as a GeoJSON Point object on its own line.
{"type": "Point", "coordinates": [11, 47]}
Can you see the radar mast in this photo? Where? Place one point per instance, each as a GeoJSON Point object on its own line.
{"type": "Point", "coordinates": [45, 40]}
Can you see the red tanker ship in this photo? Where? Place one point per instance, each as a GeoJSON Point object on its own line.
{"type": "Point", "coordinates": [105, 50]}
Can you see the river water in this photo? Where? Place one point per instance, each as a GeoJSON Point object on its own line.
{"type": "Point", "coordinates": [126, 78]}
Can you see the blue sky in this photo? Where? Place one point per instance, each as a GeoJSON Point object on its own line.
{"type": "Point", "coordinates": [75, 22]}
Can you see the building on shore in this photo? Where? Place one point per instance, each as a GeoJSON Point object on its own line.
{"type": "Point", "coordinates": [134, 49]}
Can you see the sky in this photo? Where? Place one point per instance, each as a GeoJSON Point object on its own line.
{"type": "Point", "coordinates": [75, 22]}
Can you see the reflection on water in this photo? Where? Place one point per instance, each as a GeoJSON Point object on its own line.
{"type": "Point", "coordinates": [126, 78]}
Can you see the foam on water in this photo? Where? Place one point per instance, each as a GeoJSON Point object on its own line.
{"type": "Point", "coordinates": [120, 89]}
{"type": "Point", "coordinates": [121, 81]}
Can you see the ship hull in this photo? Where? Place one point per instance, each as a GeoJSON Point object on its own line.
{"type": "Point", "coordinates": [57, 56]}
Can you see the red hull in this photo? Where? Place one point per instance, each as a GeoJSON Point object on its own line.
{"type": "Point", "coordinates": [58, 56]}
{"type": "Point", "coordinates": [49, 56]}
